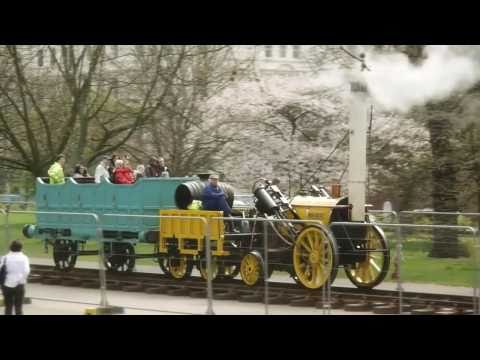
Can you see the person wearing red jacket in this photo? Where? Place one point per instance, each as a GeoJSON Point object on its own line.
{"type": "Point", "coordinates": [122, 174]}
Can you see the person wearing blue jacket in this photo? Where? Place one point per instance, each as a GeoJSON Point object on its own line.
{"type": "Point", "coordinates": [213, 197]}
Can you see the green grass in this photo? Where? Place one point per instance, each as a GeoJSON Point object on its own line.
{"type": "Point", "coordinates": [416, 266]}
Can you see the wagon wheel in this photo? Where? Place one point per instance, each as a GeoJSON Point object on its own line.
{"type": "Point", "coordinates": [179, 266]}
{"type": "Point", "coordinates": [120, 257]}
{"type": "Point", "coordinates": [202, 267]}
{"type": "Point", "coordinates": [371, 272]}
{"type": "Point", "coordinates": [162, 261]}
{"type": "Point", "coordinates": [65, 254]}
{"type": "Point", "coordinates": [228, 270]}
{"type": "Point", "coordinates": [251, 268]}
{"type": "Point", "coordinates": [315, 257]}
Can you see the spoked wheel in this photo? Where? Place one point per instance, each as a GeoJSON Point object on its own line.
{"type": "Point", "coordinates": [228, 270]}
{"type": "Point", "coordinates": [65, 254]}
{"type": "Point", "coordinates": [315, 257]}
{"type": "Point", "coordinates": [372, 271]}
{"type": "Point", "coordinates": [294, 276]}
{"type": "Point", "coordinates": [120, 257]}
{"type": "Point", "coordinates": [202, 267]}
{"type": "Point", "coordinates": [179, 266]}
{"type": "Point", "coordinates": [162, 261]}
{"type": "Point", "coordinates": [251, 268]}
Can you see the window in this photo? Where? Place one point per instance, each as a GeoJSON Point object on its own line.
{"type": "Point", "coordinates": [268, 50]}
{"type": "Point", "coordinates": [40, 57]}
{"type": "Point", "coordinates": [296, 51]}
{"type": "Point", "coordinates": [283, 51]}
{"type": "Point", "coordinates": [88, 52]}
{"type": "Point", "coordinates": [53, 55]}
{"type": "Point", "coordinates": [114, 50]}
{"type": "Point", "coordinates": [140, 50]}
{"type": "Point", "coordinates": [115, 86]}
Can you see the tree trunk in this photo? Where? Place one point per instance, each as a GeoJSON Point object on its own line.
{"type": "Point", "coordinates": [444, 196]}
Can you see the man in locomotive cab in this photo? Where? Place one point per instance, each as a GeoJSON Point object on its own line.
{"type": "Point", "coordinates": [213, 197]}
{"type": "Point", "coordinates": [55, 172]}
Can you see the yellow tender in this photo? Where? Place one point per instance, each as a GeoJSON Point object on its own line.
{"type": "Point", "coordinates": [192, 231]}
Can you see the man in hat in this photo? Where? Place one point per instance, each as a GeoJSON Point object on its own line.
{"type": "Point", "coordinates": [213, 197]}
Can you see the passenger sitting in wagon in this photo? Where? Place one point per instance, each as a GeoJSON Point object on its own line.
{"type": "Point", "coordinates": [122, 174]}
{"type": "Point", "coordinates": [77, 172]}
{"type": "Point", "coordinates": [55, 172]}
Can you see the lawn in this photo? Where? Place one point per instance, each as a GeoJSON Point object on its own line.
{"type": "Point", "coordinates": [416, 265]}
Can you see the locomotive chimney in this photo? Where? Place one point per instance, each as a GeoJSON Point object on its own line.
{"type": "Point", "coordinates": [357, 173]}
{"type": "Point", "coordinates": [336, 189]}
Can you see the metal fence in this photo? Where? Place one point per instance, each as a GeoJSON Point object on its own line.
{"type": "Point", "coordinates": [268, 230]}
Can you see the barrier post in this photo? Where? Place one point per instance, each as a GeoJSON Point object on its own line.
{"type": "Point", "coordinates": [7, 227]}
{"type": "Point", "coordinates": [328, 283]}
{"type": "Point", "coordinates": [476, 287]}
{"type": "Point", "coordinates": [101, 266]}
{"type": "Point", "coordinates": [398, 262]}
{"type": "Point", "coordinates": [209, 269]}
{"type": "Point", "coordinates": [5, 244]}
{"type": "Point", "coordinates": [265, 267]}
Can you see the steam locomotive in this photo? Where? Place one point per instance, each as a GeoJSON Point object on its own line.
{"type": "Point", "coordinates": [299, 235]}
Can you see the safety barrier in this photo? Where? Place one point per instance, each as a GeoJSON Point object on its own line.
{"type": "Point", "coordinates": [104, 308]}
{"type": "Point", "coordinates": [326, 290]}
{"type": "Point", "coordinates": [476, 244]}
{"type": "Point", "coordinates": [267, 230]}
{"type": "Point", "coordinates": [400, 242]}
{"type": "Point", "coordinates": [207, 241]}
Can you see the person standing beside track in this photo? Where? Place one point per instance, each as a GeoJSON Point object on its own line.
{"type": "Point", "coordinates": [55, 172]}
{"type": "Point", "coordinates": [17, 268]}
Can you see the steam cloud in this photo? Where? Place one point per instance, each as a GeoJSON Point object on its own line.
{"type": "Point", "coordinates": [397, 84]}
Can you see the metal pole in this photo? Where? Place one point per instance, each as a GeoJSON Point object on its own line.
{"type": "Point", "coordinates": [101, 265]}
{"type": "Point", "coordinates": [329, 289]}
{"type": "Point", "coordinates": [476, 290]}
{"type": "Point", "coordinates": [324, 295]}
{"type": "Point", "coordinates": [7, 227]}
{"type": "Point", "coordinates": [3, 212]}
{"type": "Point", "coordinates": [398, 258]}
{"type": "Point", "coordinates": [265, 265]}
{"type": "Point", "coordinates": [209, 269]}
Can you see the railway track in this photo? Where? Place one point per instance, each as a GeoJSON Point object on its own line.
{"type": "Point", "coordinates": [348, 299]}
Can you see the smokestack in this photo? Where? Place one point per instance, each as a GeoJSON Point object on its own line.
{"type": "Point", "coordinates": [336, 189]}
{"type": "Point", "coordinates": [357, 173]}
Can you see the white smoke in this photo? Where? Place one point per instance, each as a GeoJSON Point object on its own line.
{"type": "Point", "coordinates": [397, 84]}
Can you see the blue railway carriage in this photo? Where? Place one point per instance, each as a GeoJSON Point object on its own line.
{"type": "Point", "coordinates": [68, 233]}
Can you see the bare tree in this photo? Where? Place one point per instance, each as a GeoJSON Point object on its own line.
{"type": "Point", "coordinates": [86, 104]}
{"type": "Point", "coordinates": [182, 130]}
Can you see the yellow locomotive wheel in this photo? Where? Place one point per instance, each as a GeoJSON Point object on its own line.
{"type": "Point", "coordinates": [371, 272]}
{"type": "Point", "coordinates": [251, 268]}
{"type": "Point", "coordinates": [315, 257]}
{"type": "Point", "coordinates": [179, 267]}
{"type": "Point", "coordinates": [229, 270]}
{"type": "Point", "coordinates": [202, 267]}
